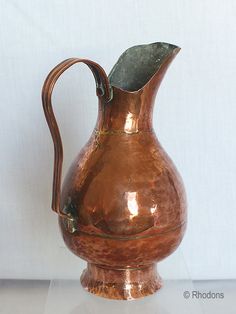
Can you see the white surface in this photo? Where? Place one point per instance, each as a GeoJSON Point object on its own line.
{"type": "Point", "coordinates": [68, 297]}
{"type": "Point", "coordinates": [32, 297]}
{"type": "Point", "coordinates": [23, 297]}
{"type": "Point", "coordinates": [194, 118]}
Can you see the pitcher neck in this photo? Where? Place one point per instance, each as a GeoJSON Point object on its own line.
{"type": "Point", "coordinates": [134, 82]}
{"type": "Point", "coordinates": [127, 112]}
{"type": "Point", "coordinates": [132, 111]}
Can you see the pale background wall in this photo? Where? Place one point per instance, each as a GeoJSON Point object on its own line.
{"type": "Point", "coordinates": [194, 118]}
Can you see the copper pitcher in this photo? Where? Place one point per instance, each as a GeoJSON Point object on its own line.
{"type": "Point", "coordinates": [122, 207]}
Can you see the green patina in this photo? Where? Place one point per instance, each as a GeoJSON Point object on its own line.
{"type": "Point", "coordinates": [71, 222]}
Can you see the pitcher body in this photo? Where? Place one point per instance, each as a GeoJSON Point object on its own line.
{"type": "Point", "coordinates": [122, 207]}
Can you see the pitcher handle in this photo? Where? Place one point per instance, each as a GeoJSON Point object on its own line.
{"type": "Point", "coordinates": [103, 92]}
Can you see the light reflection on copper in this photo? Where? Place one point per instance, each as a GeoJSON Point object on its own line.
{"type": "Point", "coordinates": [132, 204]}
{"type": "Point", "coordinates": [130, 123]}
{"type": "Point", "coordinates": [153, 209]}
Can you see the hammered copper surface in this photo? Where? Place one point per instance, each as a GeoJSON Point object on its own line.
{"type": "Point", "coordinates": [128, 283]}
{"type": "Point", "coordinates": [123, 206]}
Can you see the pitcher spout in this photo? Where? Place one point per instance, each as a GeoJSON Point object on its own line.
{"type": "Point", "coordinates": [141, 66]}
{"type": "Point", "coordinates": [134, 81]}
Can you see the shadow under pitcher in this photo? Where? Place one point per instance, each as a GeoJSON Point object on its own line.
{"type": "Point", "coordinates": [122, 206]}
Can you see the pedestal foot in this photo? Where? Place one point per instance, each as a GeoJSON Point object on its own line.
{"type": "Point", "coordinates": [122, 284]}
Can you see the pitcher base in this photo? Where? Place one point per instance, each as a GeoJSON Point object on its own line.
{"type": "Point", "coordinates": [121, 284]}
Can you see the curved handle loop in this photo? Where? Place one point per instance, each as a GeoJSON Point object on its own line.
{"type": "Point", "coordinates": [103, 91]}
